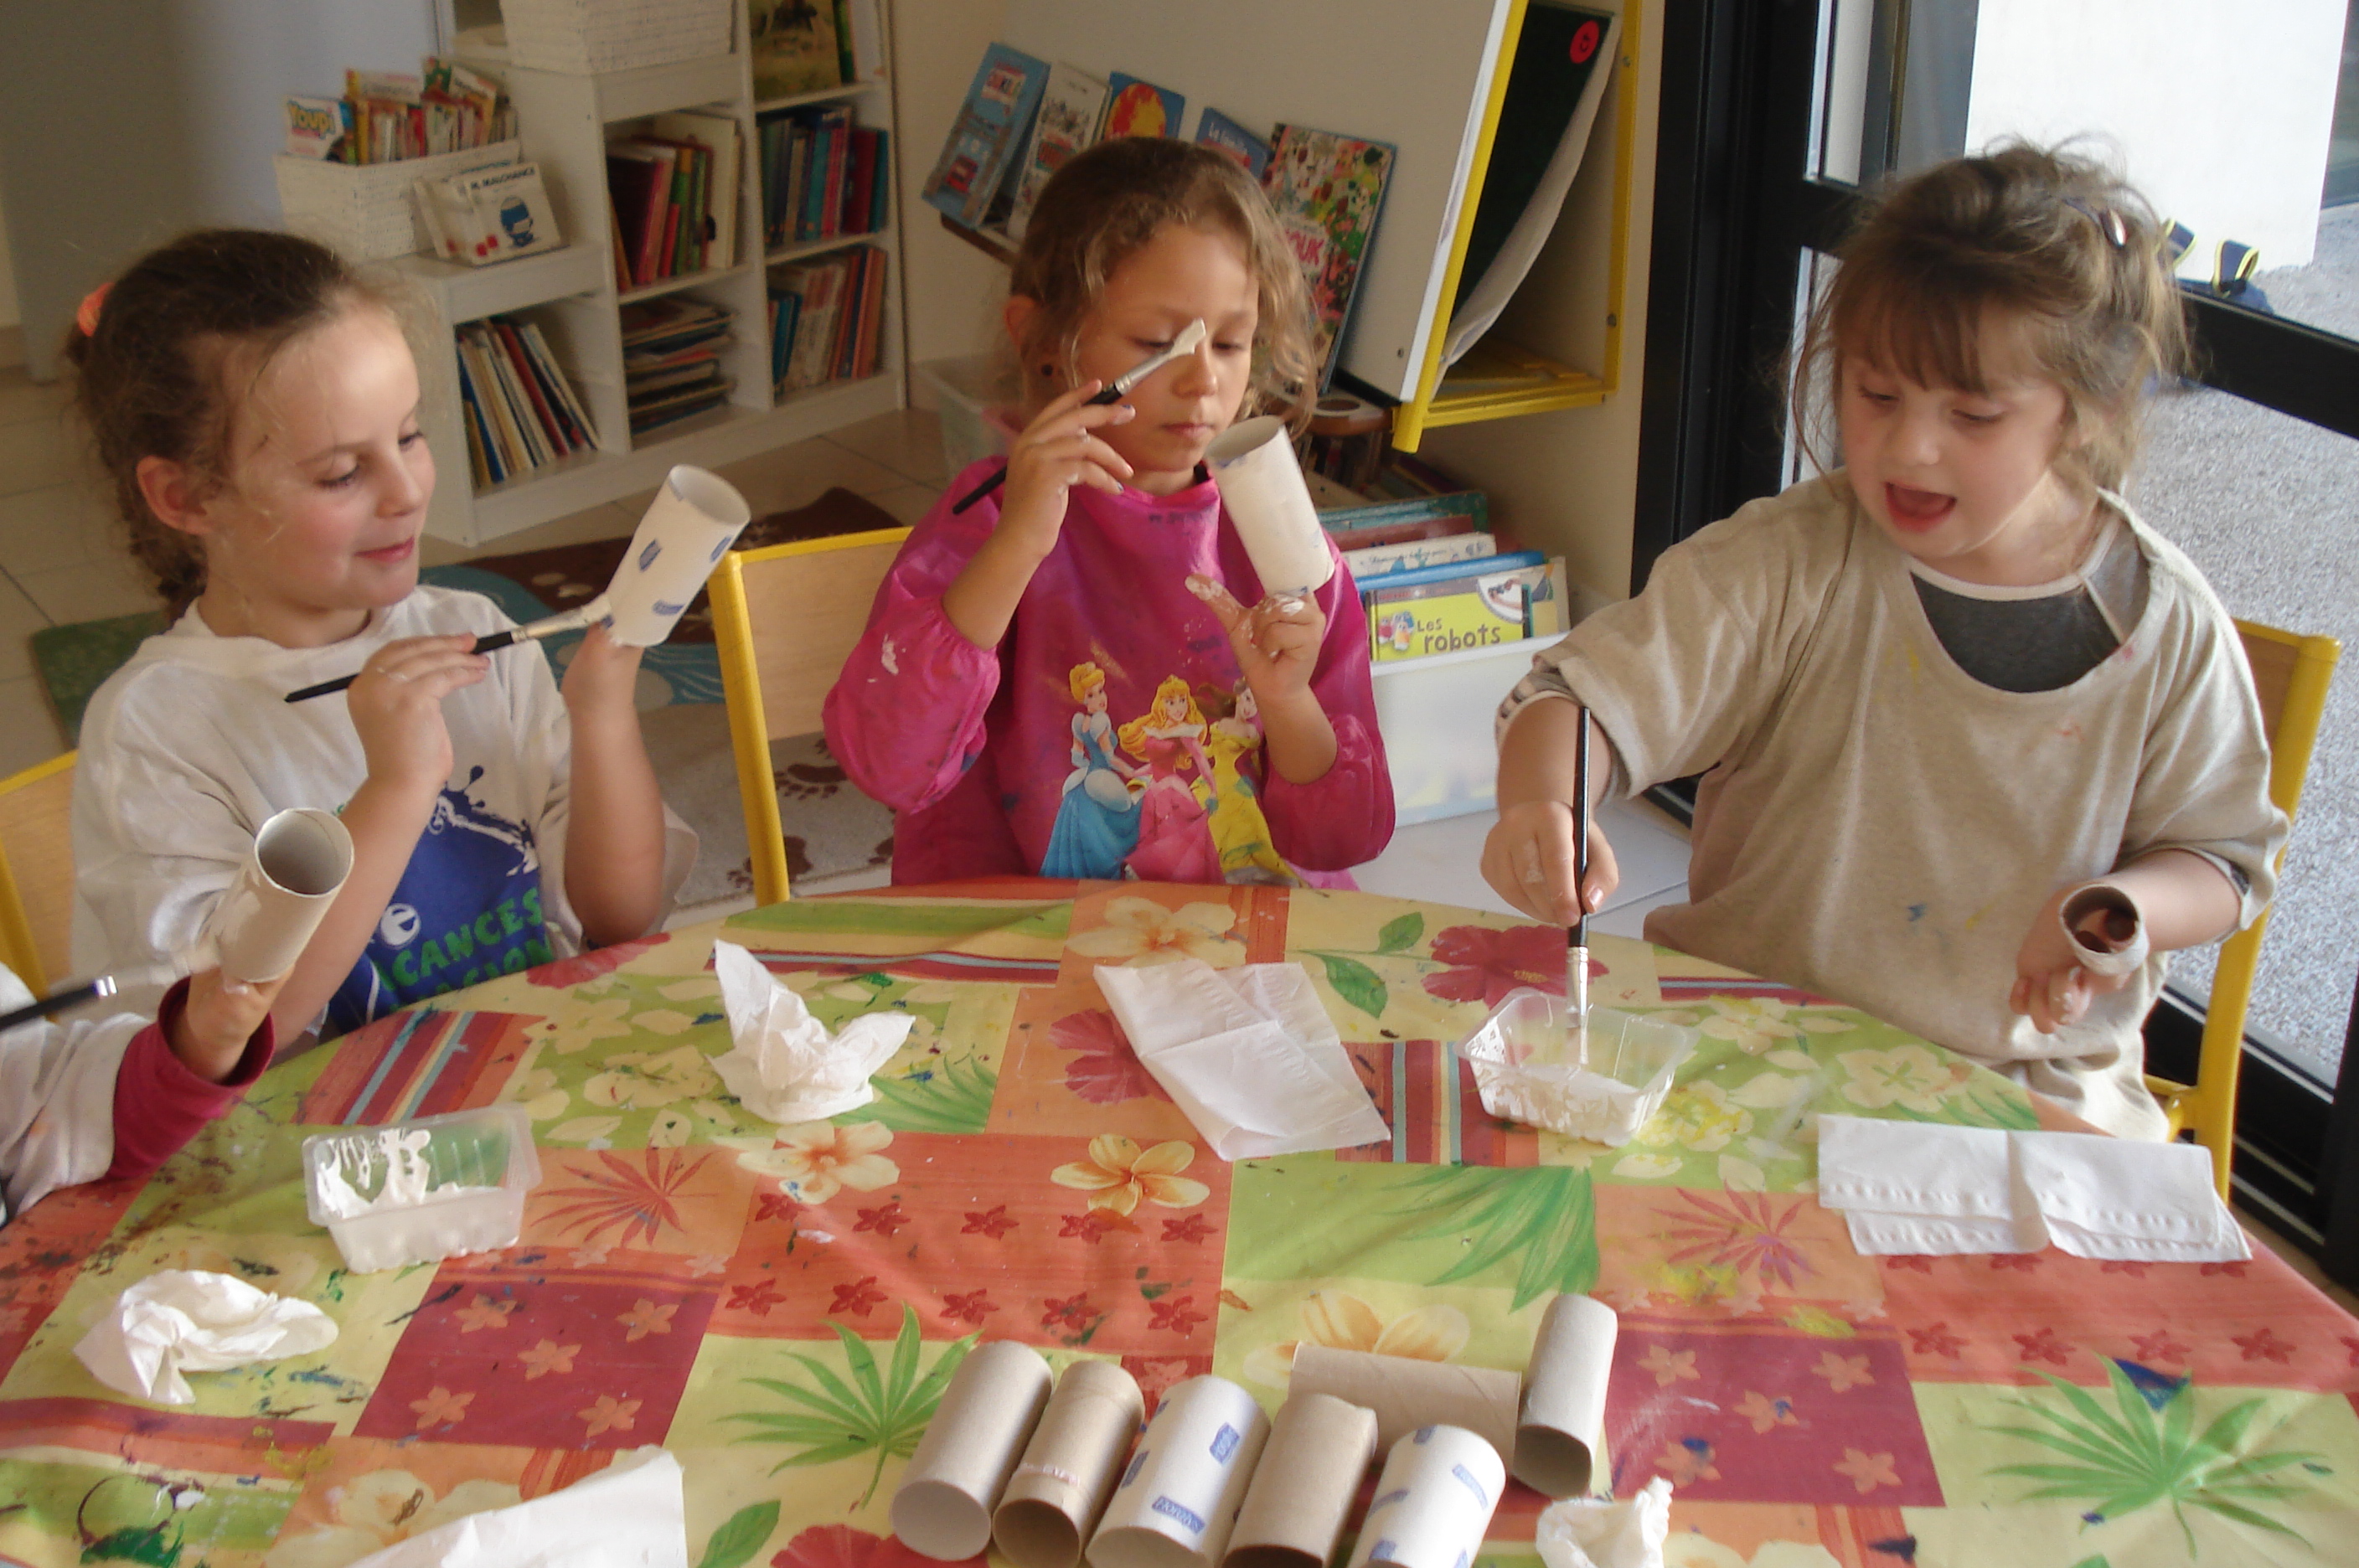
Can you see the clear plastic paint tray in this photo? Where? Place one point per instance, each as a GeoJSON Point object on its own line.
{"type": "Point", "coordinates": [1601, 1083]}
{"type": "Point", "coordinates": [422, 1190]}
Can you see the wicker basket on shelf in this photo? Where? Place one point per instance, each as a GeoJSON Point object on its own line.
{"type": "Point", "coordinates": [365, 210]}
{"type": "Point", "coordinates": [582, 36]}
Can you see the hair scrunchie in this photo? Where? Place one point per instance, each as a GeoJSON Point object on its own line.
{"type": "Point", "coordinates": [86, 313]}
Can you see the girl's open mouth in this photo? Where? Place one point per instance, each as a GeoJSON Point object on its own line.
{"type": "Point", "coordinates": [392, 554]}
{"type": "Point", "coordinates": [1917, 510]}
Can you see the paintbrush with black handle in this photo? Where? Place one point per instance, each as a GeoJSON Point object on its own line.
{"type": "Point", "coordinates": [1191, 338]}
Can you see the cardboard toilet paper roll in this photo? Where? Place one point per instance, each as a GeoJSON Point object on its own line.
{"type": "Point", "coordinates": [1433, 1502]}
{"type": "Point", "coordinates": [694, 520]}
{"type": "Point", "coordinates": [1564, 1397]}
{"type": "Point", "coordinates": [942, 1508]}
{"type": "Point", "coordinates": [1407, 1394]}
{"type": "Point", "coordinates": [1054, 1499]}
{"type": "Point", "coordinates": [1253, 464]}
{"type": "Point", "coordinates": [1181, 1494]}
{"type": "Point", "coordinates": [265, 920]}
{"type": "Point", "coordinates": [1310, 1472]}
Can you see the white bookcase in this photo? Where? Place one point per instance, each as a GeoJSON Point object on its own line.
{"type": "Point", "coordinates": [564, 123]}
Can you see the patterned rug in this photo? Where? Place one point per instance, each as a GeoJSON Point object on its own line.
{"type": "Point", "coordinates": [832, 830]}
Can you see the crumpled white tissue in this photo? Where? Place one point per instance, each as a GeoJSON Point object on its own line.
{"type": "Point", "coordinates": [184, 1320]}
{"type": "Point", "coordinates": [1247, 1054]}
{"type": "Point", "coordinates": [785, 1067]}
{"type": "Point", "coordinates": [629, 1515]}
{"type": "Point", "coordinates": [1589, 1532]}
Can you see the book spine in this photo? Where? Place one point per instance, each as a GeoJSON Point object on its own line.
{"type": "Point", "coordinates": [544, 405]}
{"type": "Point", "coordinates": [831, 216]}
{"type": "Point", "coordinates": [479, 466]}
{"type": "Point", "coordinates": [585, 433]}
{"type": "Point", "coordinates": [881, 193]}
{"type": "Point", "coordinates": [537, 453]}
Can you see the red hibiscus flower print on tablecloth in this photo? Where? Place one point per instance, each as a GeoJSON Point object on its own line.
{"type": "Point", "coordinates": [841, 1546]}
{"type": "Point", "coordinates": [1105, 1070]}
{"type": "Point", "coordinates": [1485, 965]}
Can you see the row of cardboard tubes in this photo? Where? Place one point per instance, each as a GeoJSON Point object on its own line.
{"type": "Point", "coordinates": [1212, 1480]}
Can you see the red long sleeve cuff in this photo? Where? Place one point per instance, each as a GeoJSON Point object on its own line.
{"type": "Point", "coordinates": [159, 1104]}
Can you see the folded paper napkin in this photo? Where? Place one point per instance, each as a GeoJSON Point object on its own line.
{"type": "Point", "coordinates": [1591, 1533]}
{"type": "Point", "coordinates": [629, 1515]}
{"type": "Point", "coordinates": [1914, 1187]}
{"type": "Point", "coordinates": [183, 1320]}
{"type": "Point", "coordinates": [1247, 1054]}
{"type": "Point", "coordinates": [785, 1067]}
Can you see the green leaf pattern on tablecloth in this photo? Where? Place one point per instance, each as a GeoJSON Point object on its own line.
{"type": "Point", "coordinates": [863, 1409]}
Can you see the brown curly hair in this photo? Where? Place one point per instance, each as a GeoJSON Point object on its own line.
{"type": "Point", "coordinates": [153, 378]}
{"type": "Point", "coordinates": [1108, 201]}
{"type": "Point", "coordinates": [2049, 236]}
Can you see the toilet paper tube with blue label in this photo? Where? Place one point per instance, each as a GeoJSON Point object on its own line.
{"type": "Point", "coordinates": [1433, 1501]}
{"type": "Point", "coordinates": [1180, 1495]}
{"type": "Point", "coordinates": [942, 1508]}
{"type": "Point", "coordinates": [1054, 1499]}
{"type": "Point", "coordinates": [1564, 1397]}
{"type": "Point", "coordinates": [1407, 1394]}
{"type": "Point", "coordinates": [1261, 484]}
{"type": "Point", "coordinates": [1302, 1490]}
{"type": "Point", "coordinates": [691, 525]}
{"type": "Point", "coordinates": [262, 924]}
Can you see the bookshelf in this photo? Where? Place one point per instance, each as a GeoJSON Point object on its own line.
{"type": "Point", "coordinates": [565, 122]}
{"type": "Point", "coordinates": [1431, 81]}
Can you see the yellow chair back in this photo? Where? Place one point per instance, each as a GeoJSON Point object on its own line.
{"type": "Point", "coordinates": [2289, 675]}
{"type": "Point", "coordinates": [36, 874]}
{"type": "Point", "coordinates": [786, 617]}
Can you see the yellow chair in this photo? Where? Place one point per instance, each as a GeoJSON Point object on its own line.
{"type": "Point", "coordinates": [37, 878]}
{"type": "Point", "coordinates": [2290, 674]}
{"type": "Point", "coordinates": [812, 597]}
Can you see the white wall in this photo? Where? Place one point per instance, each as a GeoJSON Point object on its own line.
{"type": "Point", "coordinates": [9, 313]}
{"type": "Point", "coordinates": [2223, 112]}
{"type": "Point", "coordinates": [952, 291]}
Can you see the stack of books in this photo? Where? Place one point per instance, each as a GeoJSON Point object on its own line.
{"type": "Point", "coordinates": [674, 194]}
{"type": "Point", "coordinates": [1432, 578]}
{"type": "Point", "coordinates": [819, 177]}
{"type": "Point", "coordinates": [672, 360]}
{"type": "Point", "coordinates": [521, 411]}
{"type": "Point", "coordinates": [387, 115]}
{"type": "Point", "coordinates": [827, 320]}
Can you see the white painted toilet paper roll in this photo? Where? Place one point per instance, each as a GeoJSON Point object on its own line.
{"type": "Point", "coordinates": [1179, 1497]}
{"type": "Point", "coordinates": [694, 520]}
{"type": "Point", "coordinates": [944, 1506]}
{"type": "Point", "coordinates": [1433, 1502]}
{"type": "Point", "coordinates": [263, 923]}
{"type": "Point", "coordinates": [1564, 1397]}
{"type": "Point", "coordinates": [1253, 463]}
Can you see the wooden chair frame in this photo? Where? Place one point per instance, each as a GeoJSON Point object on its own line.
{"type": "Point", "coordinates": [37, 873]}
{"type": "Point", "coordinates": [774, 677]}
{"type": "Point", "coordinates": [2290, 672]}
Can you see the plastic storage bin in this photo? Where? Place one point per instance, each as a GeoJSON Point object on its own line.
{"type": "Point", "coordinates": [1435, 715]}
{"type": "Point", "coordinates": [366, 210]}
{"type": "Point", "coordinates": [1602, 1084]}
{"type": "Point", "coordinates": [977, 394]}
{"type": "Point", "coordinates": [468, 1172]}
{"type": "Point", "coordinates": [580, 38]}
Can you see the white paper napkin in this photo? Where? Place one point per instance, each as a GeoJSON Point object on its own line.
{"type": "Point", "coordinates": [629, 1515]}
{"type": "Point", "coordinates": [784, 1066]}
{"type": "Point", "coordinates": [2111, 1197]}
{"type": "Point", "coordinates": [1247, 1054]}
{"type": "Point", "coordinates": [183, 1320]}
{"type": "Point", "coordinates": [1919, 1187]}
{"type": "Point", "coordinates": [1915, 1187]}
{"type": "Point", "coordinates": [1590, 1532]}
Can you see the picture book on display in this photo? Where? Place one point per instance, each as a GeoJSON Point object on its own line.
{"type": "Point", "coordinates": [808, 46]}
{"type": "Point", "coordinates": [987, 136]}
{"type": "Point", "coordinates": [1135, 108]}
{"type": "Point", "coordinates": [1071, 108]}
{"type": "Point", "coordinates": [1563, 60]}
{"type": "Point", "coordinates": [1217, 130]}
{"type": "Point", "coordinates": [489, 216]}
{"type": "Point", "coordinates": [1448, 609]}
{"type": "Point", "coordinates": [1329, 191]}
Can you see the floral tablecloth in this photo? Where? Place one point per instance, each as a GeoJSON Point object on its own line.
{"type": "Point", "coordinates": [780, 1307]}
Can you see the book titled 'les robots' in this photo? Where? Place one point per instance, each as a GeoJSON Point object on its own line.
{"type": "Point", "coordinates": [1515, 597]}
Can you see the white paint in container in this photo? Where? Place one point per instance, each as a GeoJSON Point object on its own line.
{"type": "Point", "coordinates": [422, 1190]}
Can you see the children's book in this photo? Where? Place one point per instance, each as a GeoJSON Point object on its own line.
{"type": "Point", "coordinates": [1217, 130]}
{"type": "Point", "coordinates": [793, 46]}
{"type": "Point", "coordinates": [491, 214]}
{"type": "Point", "coordinates": [1135, 108]}
{"type": "Point", "coordinates": [981, 151]}
{"type": "Point", "coordinates": [1329, 190]}
{"type": "Point", "coordinates": [1348, 525]}
{"type": "Point", "coordinates": [1563, 59]}
{"type": "Point", "coordinates": [1071, 108]}
{"type": "Point", "coordinates": [1459, 612]}
{"type": "Point", "coordinates": [316, 127]}
{"type": "Point", "coordinates": [717, 209]}
{"type": "Point", "coordinates": [1375, 563]}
